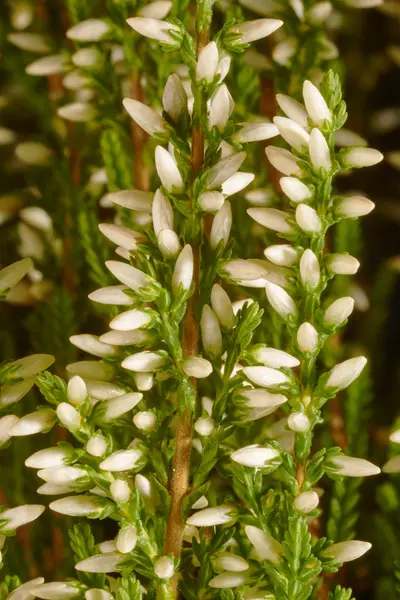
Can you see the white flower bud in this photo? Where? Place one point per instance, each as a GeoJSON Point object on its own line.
{"type": "Point", "coordinates": [75, 80]}
{"type": "Point", "coordinates": [156, 10]}
{"type": "Point", "coordinates": [293, 133]}
{"type": "Point", "coordinates": [98, 594]}
{"type": "Point", "coordinates": [250, 31]}
{"type": "Point", "coordinates": [122, 460]}
{"type": "Point", "coordinates": [283, 160]}
{"type": "Point", "coordinates": [272, 218]}
{"type": "Point", "coordinates": [126, 539]}
{"type": "Point", "coordinates": [224, 169]}
{"type": "Point", "coordinates": [169, 243]}
{"type": "Point", "coordinates": [221, 108]}
{"type": "Point", "coordinates": [122, 236]}
{"type": "Point", "coordinates": [298, 422]}
{"type": "Point", "coordinates": [79, 112]}
{"type": "Point", "coordinates": [343, 374]}
{"type": "Point", "coordinates": [183, 271]}
{"type": "Point", "coordinates": [294, 189]}
{"type": "Point", "coordinates": [309, 269]}
{"type": "Point", "coordinates": [280, 300]}
{"type": "Point", "coordinates": [236, 183]}
{"type": "Point", "coordinates": [265, 376]}
{"type": "Point", "coordinates": [147, 118]}
{"type": "Point", "coordinates": [345, 138]}
{"type": "Point", "coordinates": [307, 337]}
{"type": "Point", "coordinates": [86, 57]}
{"type": "Point", "coordinates": [144, 381]}
{"type": "Point", "coordinates": [13, 392]}
{"type": "Point", "coordinates": [120, 491]}
{"type": "Point", "coordinates": [11, 275]}
{"type": "Point", "coordinates": [49, 457]}
{"type": "Point", "coordinates": [255, 131]}
{"type": "Point", "coordinates": [210, 332]}
{"type": "Point", "coordinates": [75, 506]}
{"type": "Point", "coordinates": [68, 416]}
{"type": "Point", "coordinates": [31, 365]}
{"type": "Point", "coordinates": [338, 311]}
{"type": "Point", "coordinates": [56, 590]}
{"type": "Point", "coordinates": [355, 206]}
{"type": "Point", "coordinates": [267, 547]}
{"type": "Point", "coordinates": [320, 154]}
{"type": "Point", "coordinates": [207, 62]}
{"type": "Point", "coordinates": [204, 427]}
{"type": "Point", "coordinates": [34, 422]}
{"type": "Point", "coordinates": [362, 157]}
{"type": "Point", "coordinates": [48, 65]}
{"type": "Point", "coordinates": [100, 563]}
{"type": "Point", "coordinates": [96, 445]}
{"type": "Point", "coordinates": [394, 436]}
{"type": "Point", "coordinates": [320, 12]}
{"type": "Point", "coordinates": [101, 390]}
{"type": "Point", "coordinates": [222, 306]}
{"type": "Point", "coordinates": [282, 255]}
{"type": "Point", "coordinates": [143, 362]}
{"type": "Point", "coordinates": [254, 456]}
{"type": "Point", "coordinates": [91, 344]}
{"type": "Point", "coordinates": [342, 264]}
{"type": "Point", "coordinates": [227, 561]}
{"type": "Point", "coordinates": [354, 467]}
{"type": "Point", "coordinates": [168, 171]}
{"type": "Point", "coordinates": [307, 219]}
{"type": "Point", "coordinates": [136, 200]}
{"type": "Point", "coordinates": [347, 551]}
{"type": "Point", "coordinates": [61, 475]}
{"type": "Point", "coordinates": [306, 502]}
{"type": "Point", "coordinates": [31, 42]}
{"type": "Point", "coordinates": [271, 357]}
{"type": "Point", "coordinates": [114, 294]}
{"type": "Point", "coordinates": [259, 196]}
{"type": "Point", "coordinates": [174, 97]}
{"type": "Point", "coordinates": [221, 226]}
{"type": "Point", "coordinates": [116, 407]}
{"type": "Point", "coordinates": [162, 213]}
{"type": "Point", "coordinates": [227, 580]}
{"type": "Point", "coordinates": [393, 464]}
{"type": "Point", "coordinates": [153, 29]}
{"type": "Point", "coordinates": [211, 201]}
{"type": "Point", "coordinates": [90, 30]}
{"type": "Point", "coordinates": [164, 567]}
{"type": "Point", "coordinates": [293, 109]}
{"type": "Point", "coordinates": [216, 515]}
{"type": "Point", "coordinates": [315, 104]}
{"type": "Point", "coordinates": [26, 590]}
{"type": "Point", "coordinates": [195, 366]}
{"type": "Point", "coordinates": [261, 402]}
{"type": "Point", "coordinates": [37, 217]}
{"type": "Point", "coordinates": [145, 420]}
{"type": "Point", "coordinates": [20, 515]}
{"type": "Point", "coordinates": [6, 425]}
{"type": "Point", "coordinates": [131, 320]}
{"type": "Point", "coordinates": [243, 270]}
{"type": "Point", "coordinates": [92, 370]}
{"type": "Point", "coordinates": [137, 337]}
{"type": "Point", "coordinates": [129, 275]}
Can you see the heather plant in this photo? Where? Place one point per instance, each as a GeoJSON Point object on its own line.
{"type": "Point", "coordinates": [195, 442]}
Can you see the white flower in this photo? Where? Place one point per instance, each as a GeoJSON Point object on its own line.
{"type": "Point", "coordinates": [153, 29]}
{"type": "Point", "coordinates": [207, 62]}
{"type": "Point", "coordinates": [79, 112]}
{"type": "Point", "coordinates": [320, 12]}
{"type": "Point", "coordinates": [338, 311]}
{"type": "Point", "coordinates": [293, 109]}
{"type": "Point", "coordinates": [48, 65]}
{"type": "Point", "coordinates": [26, 591]}
{"type": "Point", "coordinates": [86, 57]}
{"type": "Point", "coordinates": [211, 201]}
{"type": "Point", "coordinates": [244, 269]}
{"type": "Point", "coordinates": [343, 374]}
{"type": "Point", "coordinates": [61, 475]}
{"type": "Point", "coordinates": [96, 445]}
{"type": "Point", "coordinates": [31, 365]}
{"type": "Point", "coordinates": [195, 366]}
{"type": "Point", "coordinates": [227, 580]}
{"type": "Point", "coordinates": [293, 133]}
{"type": "Point", "coordinates": [309, 269]}
{"type": "Point", "coordinates": [129, 275]}
{"type": "Point", "coordinates": [31, 42]}
{"type": "Point", "coordinates": [174, 97]}
{"type": "Point", "coordinates": [16, 517]}
{"type": "Point", "coordinates": [204, 426]}
{"type": "Point", "coordinates": [56, 590]}
{"type": "Point", "coordinates": [98, 594]}
{"type": "Point", "coordinates": [221, 226]}
{"type": "Point", "coordinates": [267, 547]}
{"type": "Point", "coordinates": [307, 337]}
{"type": "Point", "coordinates": [306, 501]}
{"type": "Point", "coordinates": [37, 217]}
{"type": "Point", "coordinates": [210, 332]}
{"type": "Point", "coordinates": [224, 169]}
{"type": "Point", "coordinates": [221, 107]}
{"type": "Point", "coordinates": [34, 422]}
{"type": "Point", "coordinates": [169, 243]}
{"type": "Point", "coordinates": [342, 264]}
{"type": "Point", "coordinates": [162, 213]}
{"type": "Point", "coordinates": [298, 422]}
{"type": "Point", "coordinates": [315, 104]}
{"type": "Point", "coordinates": [120, 491]}
{"type": "Point", "coordinates": [255, 131]}
{"type": "Point", "coordinates": [49, 457]}
{"type": "Point", "coordinates": [164, 567]}
{"type": "Point", "coordinates": [183, 271]}
{"type": "Point", "coordinates": [222, 306]}
{"type": "Point", "coordinates": [283, 160]}
{"type": "Point", "coordinates": [265, 376]}
{"type": "Point", "coordinates": [145, 420]}
{"type": "Point", "coordinates": [75, 80]}
{"type": "Point", "coordinates": [75, 506]}
{"type": "Point", "coordinates": [354, 467]}
{"type": "Point", "coordinates": [320, 155]}
{"type": "Point", "coordinates": [250, 31]}
{"type": "Point", "coordinates": [227, 561]}
{"type": "Point", "coordinates": [113, 294]}
{"type": "Point", "coordinates": [91, 344]}
{"type": "Point", "coordinates": [100, 563]}
{"type": "Point", "coordinates": [393, 464]}
{"type": "Point", "coordinates": [271, 357]}
{"type": "Point", "coordinates": [307, 219]}
{"type": "Point", "coordinates": [137, 337]}
{"type": "Point", "coordinates": [294, 189]}
{"type": "Point", "coordinates": [6, 425]}
{"type": "Point", "coordinates": [126, 539]}
{"type": "Point", "coordinates": [12, 274]}
{"type": "Point", "coordinates": [147, 118]}
{"type": "Point", "coordinates": [282, 255]}
{"type": "Point", "coordinates": [122, 236]}
{"type": "Point", "coordinates": [347, 551]}
{"type": "Point", "coordinates": [13, 392]}
{"type": "Point", "coordinates": [168, 171]}
{"type": "Point", "coordinates": [133, 199]}
{"type": "Point", "coordinates": [261, 402]}
{"type": "Point", "coordinates": [216, 515]}
{"type": "Point", "coordinates": [259, 196]}
{"type": "Point", "coordinates": [362, 157]}
{"type": "Point", "coordinates": [122, 460]}
{"type": "Point", "coordinates": [92, 370]}
{"type": "Point", "coordinates": [280, 300]}
{"type": "Point", "coordinates": [272, 218]}
{"type": "Point", "coordinates": [104, 390]}
{"type": "Point", "coordinates": [90, 30]}
{"type": "Point", "coordinates": [131, 320]}
{"type": "Point", "coordinates": [143, 362]}
{"type": "Point", "coordinates": [394, 436]}
{"type": "Point", "coordinates": [354, 206]}
{"type": "Point", "coordinates": [254, 456]}
{"type": "Point", "coordinates": [68, 415]}
{"type": "Point", "coordinates": [116, 407]}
